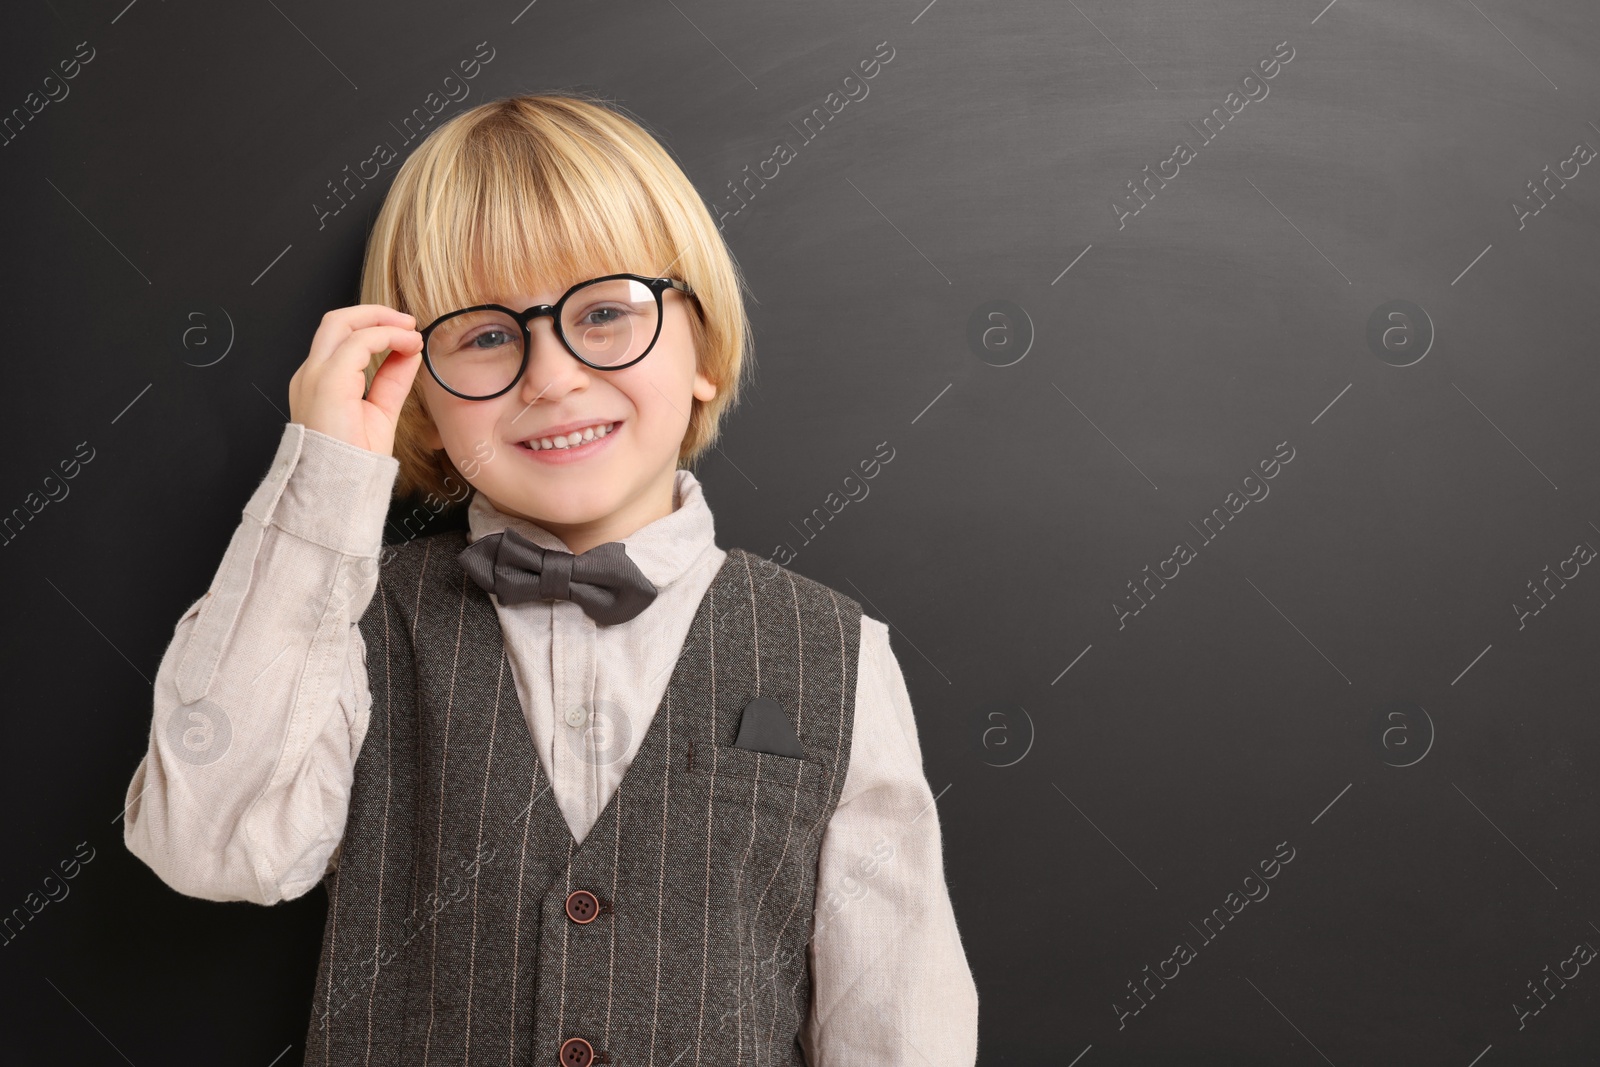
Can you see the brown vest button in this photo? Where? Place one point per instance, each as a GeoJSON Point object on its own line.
{"type": "Point", "coordinates": [576, 1052]}
{"type": "Point", "coordinates": [582, 907]}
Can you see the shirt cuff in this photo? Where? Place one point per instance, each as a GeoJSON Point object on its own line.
{"type": "Point", "coordinates": [326, 491]}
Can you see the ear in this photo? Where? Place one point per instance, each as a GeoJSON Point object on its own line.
{"type": "Point", "coordinates": [704, 388]}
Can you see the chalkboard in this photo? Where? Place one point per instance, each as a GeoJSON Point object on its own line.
{"type": "Point", "coordinates": [1235, 364]}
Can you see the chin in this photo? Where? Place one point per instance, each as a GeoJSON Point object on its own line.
{"type": "Point", "coordinates": [571, 507]}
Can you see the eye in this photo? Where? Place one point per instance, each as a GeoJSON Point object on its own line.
{"type": "Point", "coordinates": [491, 338]}
{"type": "Point", "coordinates": [603, 314]}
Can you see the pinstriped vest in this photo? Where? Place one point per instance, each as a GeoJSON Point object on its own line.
{"type": "Point", "coordinates": [466, 926]}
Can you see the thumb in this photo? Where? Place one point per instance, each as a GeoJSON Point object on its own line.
{"type": "Point", "coordinates": [391, 382]}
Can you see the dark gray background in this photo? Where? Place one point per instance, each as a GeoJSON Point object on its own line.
{"type": "Point", "coordinates": [1247, 705]}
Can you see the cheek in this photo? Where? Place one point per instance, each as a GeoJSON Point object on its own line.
{"type": "Point", "coordinates": [672, 379]}
{"type": "Point", "coordinates": [663, 404]}
{"type": "Point", "coordinates": [462, 428]}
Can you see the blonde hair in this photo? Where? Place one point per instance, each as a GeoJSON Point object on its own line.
{"type": "Point", "coordinates": [557, 187]}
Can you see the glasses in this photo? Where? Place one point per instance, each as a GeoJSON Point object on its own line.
{"type": "Point", "coordinates": [608, 323]}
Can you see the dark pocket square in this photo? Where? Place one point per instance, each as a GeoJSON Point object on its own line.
{"type": "Point", "coordinates": [765, 728]}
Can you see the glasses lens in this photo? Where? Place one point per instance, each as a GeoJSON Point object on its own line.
{"type": "Point", "coordinates": [476, 353]}
{"type": "Point", "coordinates": [611, 322]}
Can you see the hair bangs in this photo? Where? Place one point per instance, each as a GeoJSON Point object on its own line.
{"type": "Point", "coordinates": [517, 216]}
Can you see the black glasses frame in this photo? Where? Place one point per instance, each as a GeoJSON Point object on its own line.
{"type": "Point", "coordinates": [656, 285]}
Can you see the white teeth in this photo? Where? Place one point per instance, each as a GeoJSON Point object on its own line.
{"type": "Point", "coordinates": [588, 433]}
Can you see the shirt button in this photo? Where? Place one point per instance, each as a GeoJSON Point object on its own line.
{"type": "Point", "coordinates": [577, 716]}
{"type": "Point", "coordinates": [582, 906]}
{"type": "Point", "coordinates": [576, 1052]}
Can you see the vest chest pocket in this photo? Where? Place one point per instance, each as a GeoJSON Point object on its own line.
{"type": "Point", "coordinates": [767, 785]}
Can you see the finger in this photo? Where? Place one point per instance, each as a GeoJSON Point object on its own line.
{"type": "Point", "coordinates": [360, 347]}
{"type": "Point", "coordinates": [392, 381]}
{"type": "Point", "coordinates": [346, 368]}
{"type": "Point", "coordinates": [359, 315]}
{"type": "Point", "coordinates": [340, 324]}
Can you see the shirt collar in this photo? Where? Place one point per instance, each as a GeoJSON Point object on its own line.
{"type": "Point", "coordinates": [663, 550]}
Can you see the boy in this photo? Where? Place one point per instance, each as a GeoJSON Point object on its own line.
{"type": "Point", "coordinates": [584, 787]}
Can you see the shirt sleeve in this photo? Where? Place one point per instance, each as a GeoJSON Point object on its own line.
{"type": "Point", "coordinates": [261, 700]}
{"type": "Point", "coordinates": [890, 980]}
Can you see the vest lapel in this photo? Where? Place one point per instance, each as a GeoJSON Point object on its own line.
{"type": "Point", "coordinates": [484, 655]}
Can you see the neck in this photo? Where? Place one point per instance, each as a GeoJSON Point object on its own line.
{"type": "Point", "coordinates": [657, 501]}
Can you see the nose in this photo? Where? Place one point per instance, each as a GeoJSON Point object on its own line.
{"type": "Point", "coordinates": [552, 372]}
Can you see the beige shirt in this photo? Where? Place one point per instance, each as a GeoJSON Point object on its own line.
{"type": "Point", "coordinates": [261, 705]}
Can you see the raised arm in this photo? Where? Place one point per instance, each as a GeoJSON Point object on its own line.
{"type": "Point", "coordinates": [261, 699]}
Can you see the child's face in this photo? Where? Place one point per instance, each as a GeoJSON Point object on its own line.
{"type": "Point", "coordinates": [599, 492]}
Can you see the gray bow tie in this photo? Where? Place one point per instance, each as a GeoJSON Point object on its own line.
{"type": "Point", "coordinates": [603, 581]}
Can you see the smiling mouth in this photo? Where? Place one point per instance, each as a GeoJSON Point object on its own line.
{"type": "Point", "coordinates": [576, 439]}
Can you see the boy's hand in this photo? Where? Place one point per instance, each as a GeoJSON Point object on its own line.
{"type": "Point", "coordinates": [326, 392]}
